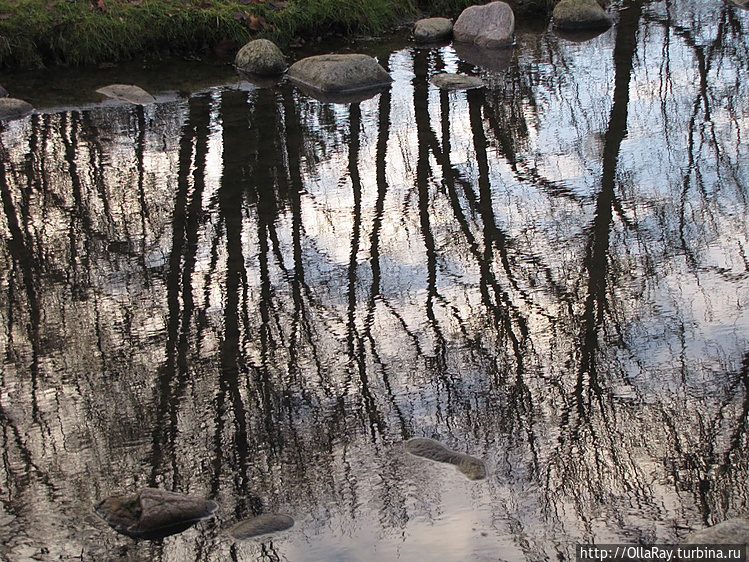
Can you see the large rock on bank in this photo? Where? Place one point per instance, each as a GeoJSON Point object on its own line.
{"type": "Point", "coordinates": [491, 25]}
{"type": "Point", "coordinates": [260, 57]}
{"type": "Point", "coordinates": [339, 74]}
{"type": "Point", "coordinates": [580, 14]}
{"type": "Point", "coordinates": [432, 30]}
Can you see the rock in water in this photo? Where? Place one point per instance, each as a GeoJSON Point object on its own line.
{"type": "Point", "coordinates": [472, 467]}
{"type": "Point", "coordinates": [261, 525]}
{"type": "Point", "coordinates": [13, 108]}
{"type": "Point", "coordinates": [432, 30]}
{"type": "Point", "coordinates": [580, 14]}
{"type": "Point", "coordinates": [127, 92]}
{"type": "Point", "coordinates": [339, 73]}
{"type": "Point", "coordinates": [261, 57]}
{"type": "Point", "coordinates": [491, 25]}
{"type": "Point", "coordinates": [449, 81]}
{"type": "Point", "coordinates": [152, 513]}
{"type": "Point", "coordinates": [730, 531]}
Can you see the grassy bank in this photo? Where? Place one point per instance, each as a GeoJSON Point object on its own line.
{"type": "Point", "coordinates": [37, 33]}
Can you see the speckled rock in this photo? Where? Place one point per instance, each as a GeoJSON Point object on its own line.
{"type": "Point", "coordinates": [261, 57]}
{"type": "Point", "coordinates": [580, 14]}
{"type": "Point", "coordinates": [432, 30]}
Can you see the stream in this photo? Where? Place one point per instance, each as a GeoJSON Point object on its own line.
{"type": "Point", "coordinates": [244, 294]}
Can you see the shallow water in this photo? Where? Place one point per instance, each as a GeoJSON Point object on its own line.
{"type": "Point", "coordinates": [247, 295]}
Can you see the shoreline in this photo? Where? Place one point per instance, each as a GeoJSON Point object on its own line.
{"type": "Point", "coordinates": [38, 34]}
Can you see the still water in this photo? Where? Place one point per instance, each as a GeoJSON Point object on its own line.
{"type": "Point", "coordinates": [248, 295]}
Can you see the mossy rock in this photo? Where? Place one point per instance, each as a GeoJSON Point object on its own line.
{"type": "Point", "coordinates": [261, 57]}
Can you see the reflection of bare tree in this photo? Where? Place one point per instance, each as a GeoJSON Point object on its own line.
{"type": "Point", "coordinates": [271, 293]}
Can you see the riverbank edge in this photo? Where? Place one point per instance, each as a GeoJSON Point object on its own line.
{"type": "Point", "coordinates": [41, 33]}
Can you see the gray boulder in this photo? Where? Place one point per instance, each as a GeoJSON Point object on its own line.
{"type": "Point", "coordinates": [491, 25]}
{"type": "Point", "coordinates": [339, 73]}
{"type": "Point", "coordinates": [432, 30]}
{"type": "Point", "coordinates": [261, 57]}
{"type": "Point", "coordinates": [448, 81]}
{"type": "Point", "coordinates": [580, 14]}
{"type": "Point", "coordinates": [127, 92]}
{"type": "Point", "coordinates": [730, 531]}
{"type": "Point", "coordinates": [13, 108]}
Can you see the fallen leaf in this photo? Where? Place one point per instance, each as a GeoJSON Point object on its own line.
{"type": "Point", "coordinates": [279, 4]}
{"type": "Point", "coordinates": [257, 22]}
{"type": "Point", "coordinates": [100, 5]}
{"type": "Point", "coordinates": [240, 15]}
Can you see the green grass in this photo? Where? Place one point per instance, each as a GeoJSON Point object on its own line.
{"type": "Point", "coordinates": [38, 33]}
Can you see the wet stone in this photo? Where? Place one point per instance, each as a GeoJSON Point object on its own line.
{"type": "Point", "coordinates": [152, 513]}
{"type": "Point", "coordinates": [730, 531]}
{"type": "Point", "coordinates": [473, 468]}
{"type": "Point", "coordinates": [127, 92]}
{"type": "Point", "coordinates": [448, 81]}
{"type": "Point", "coordinates": [12, 108]}
{"type": "Point", "coordinates": [261, 525]}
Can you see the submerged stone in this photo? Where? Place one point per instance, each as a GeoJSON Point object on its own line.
{"type": "Point", "coordinates": [449, 81]}
{"type": "Point", "coordinates": [730, 531]}
{"type": "Point", "coordinates": [152, 513]}
{"type": "Point", "coordinates": [472, 467]}
{"type": "Point", "coordinates": [261, 525]}
{"type": "Point", "coordinates": [127, 92]}
{"type": "Point", "coordinates": [13, 108]}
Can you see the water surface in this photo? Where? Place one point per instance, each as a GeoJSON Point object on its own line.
{"type": "Point", "coordinates": [248, 295]}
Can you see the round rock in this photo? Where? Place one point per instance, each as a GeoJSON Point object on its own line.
{"type": "Point", "coordinates": [432, 30]}
{"type": "Point", "coordinates": [580, 14]}
{"type": "Point", "coordinates": [448, 81]}
{"type": "Point", "coordinates": [491, 25]}
{"type": "Point", "coordinates": [13, 108]}
{"type": "Point", "coordinates": [261, 57]}
{"type": "Point", "coordinates": [339, 73]}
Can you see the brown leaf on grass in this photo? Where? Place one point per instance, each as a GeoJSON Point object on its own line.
{"type": "Point", "coordinates": [257, 22]}
{"type": "Point", "coordinates": [100, 5]}
{"type": "Point", "coordinates": [249, 2]}
{"type": "Point", "coordinates": [240, 16]}
{"type": "Point", "coordinates": [279, 4]}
